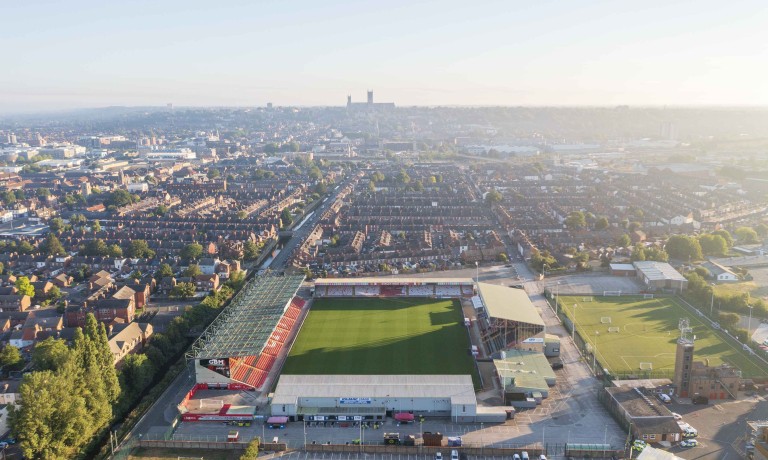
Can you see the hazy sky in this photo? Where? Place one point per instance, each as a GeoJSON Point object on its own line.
{"type": "Point", "coordinates": [82, 53]}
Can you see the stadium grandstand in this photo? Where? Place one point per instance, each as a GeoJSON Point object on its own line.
{"type": "Point", "coordinates": [506, 316]}
{"type": "Point", "coordinates": [244, 343]}
{"type": "Point", "coordinates": [395, 287]}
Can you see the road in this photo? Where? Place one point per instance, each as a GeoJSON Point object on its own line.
{"type": "Point", "coordinates": [281, 260]}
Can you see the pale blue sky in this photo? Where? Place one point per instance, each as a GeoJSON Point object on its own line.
{"type": "Point", "coordinates": [82, 53]}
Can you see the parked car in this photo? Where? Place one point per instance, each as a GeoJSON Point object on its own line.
{"type": "Point", "coordinates": [677, 416]}
{"type": "Point", "coordinates": [438, 456]}
{"type": "Point", "coordinates": [689, 443]}
{"type": "Point", "coordinates": [639, 445]}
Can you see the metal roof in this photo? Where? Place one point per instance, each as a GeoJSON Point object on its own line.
{"type": "Point", "coordinates": [657, 271]}
{"type": "Point", "coordinates": [457, 387]}
{"type": "Point", "coordinates": [389, 280]}
{"type": "Point", "coordinates": [244, 326]}
{"type": "Point", "coordinates": [511, 304]}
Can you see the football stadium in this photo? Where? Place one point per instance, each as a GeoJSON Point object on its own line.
{"type": "Point", "coordinates": [357, 349]}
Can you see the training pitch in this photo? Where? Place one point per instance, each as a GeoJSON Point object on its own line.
{"type": "Point", "coordinates": [648, 333]}
{"type": "Point", "coordinates": [382, 336]}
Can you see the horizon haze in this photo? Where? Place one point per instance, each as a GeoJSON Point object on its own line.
{"type": "Point", "coordinates": [86, 54]}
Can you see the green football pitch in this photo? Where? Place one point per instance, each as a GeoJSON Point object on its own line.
{"type": "Point", "coordinates": [382, 336]}
{"type": "Point", "coordinates": [648, 333]}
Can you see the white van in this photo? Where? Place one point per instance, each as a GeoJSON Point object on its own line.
{"type": "Point", "coordinates": [454, 454]}
{"type": "Point", "coordinates": [664, 398]}
{"type": "Point", "coordinates": [525, 455]}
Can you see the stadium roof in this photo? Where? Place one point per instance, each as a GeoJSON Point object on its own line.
{"type": "Point", "coordinates": [459, 388]}
{"type": "Point", "coordinates": [657, 271]}
{"type": "Point", "coordinates": [390, 281]}
{"type": "Point", "coordinates": [511, 304]}
{"type": "Point", "coordinates": [243, 327]}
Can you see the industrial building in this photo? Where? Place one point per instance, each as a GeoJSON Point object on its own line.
{"type": "Point", "coordinates": [640, 410]}
{"type": "Point", "coordinates": [660, 276]}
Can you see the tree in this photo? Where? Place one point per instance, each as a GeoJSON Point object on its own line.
{"type": "Point", "coordinates": [192, 271]}
{"type": "Point", "coordinates": [321, 188]}
{"type": "Point", "coordinates": [252, 451]}
{"type": "Point", "coordinates": [638, 253]}
{"type": "Point", "coordinates": [713, 245]}
{"type": "Point", "coordinates": [139, 249]}
{"type": "Point", "coordinates": [96, 226]}
{"type": "Point", "coordinates": [57, 225]}
{"type": "Point", "coordinates": [24, 286]}
{"type": "Point", "coordinates": [50, 354]}
{"type": "Point", "coordinates": [163, 271]}
{"type": "Point", "coordinates": [315, 173]}
{"type": "Point", "coordinates": [403, 177]}
{"type": "Point", "coordinates": [43, 193]}
{"type": "Point", "coordinates": [183, 290]}
{"type": "Point", "coordinates": [10, 357]}
{"type": "Point", "coordinates": [728, 320]}
{"type": "Point", "coordinates": [540, 259]}
{"type": "Point", "coordinates": [54, 294]}
{"type": "Point", "coordinates": [191, 251]}
{"type": "Point", "coordinates": [746, 235]}
{"type": "Point", "coordinates": [118, 198]}
{"type": "Point", "coordinates": [161, 210]}
{"type": "Point", "coordinates": [726, 236]}
{"type": "Point", "coordinates": [213, 174]}
{"type": "Point", "coordinates": [51, 246]}
{"type": "Point", "coordinates": [95, 248]}
{"type": "Point", "coordinates": [25, 248]}
{"type": "Point", "coordinates": [762, 230]}
{"type": "Point", "coordinates": [575, 220]}
{"type": "Point", "coordinates": [623, 241]}
{"type": "Point", "coordinates": [137, 373]}
{"type": "Point", "coordinates": [242, 215]}
{"type": "Point", "coordinates": [78, 220]}
{"type": "Point", "coordinates": [683, 247]}
{"type": "Point", "coordinates": [502, 257]}
{"type": "Point", "coordinates": [601, 223]}
{"type": "Point", "coordinates": [657, 254]}
{"type": "Point", "coordinates": [493, 196]}
{"type": "Point", "coordinates": [251, 250]}
{"type": "Point", "coordinates": [9, 197]}
{"type": "Point", "coordinates": [286, 218]}
{"type": "Point", "coordinates": [113, 250]}
{"type": "Point", "coordinates": [634, 226]}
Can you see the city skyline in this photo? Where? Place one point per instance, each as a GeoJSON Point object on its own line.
{"type": "Point", "coordinates": [594, 53]}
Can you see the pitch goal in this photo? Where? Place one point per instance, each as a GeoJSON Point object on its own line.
{"type": "Point", "coordinates": [206, 404]}
{"type": "Point", "coordinates": [587, 299]}
{"type": "Point", "coordinates": [646, 366]}
{"type": "Point", "coordinates": [605, 319]}
{"type": "Point", "coordinates": [647, 296]}
{"type": "Point", "coordinates": [612, 293]}
{"type": "Point", "coordinates": [614, 329]}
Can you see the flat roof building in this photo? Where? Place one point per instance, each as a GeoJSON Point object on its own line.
{"type": "Point", "coordinates": [372, 397]}
{"type": "Point", "coordinates": [660, 275]}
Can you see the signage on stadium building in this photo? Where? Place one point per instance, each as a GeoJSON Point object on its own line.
{"type": "Point", "coordinates": [355, 401]}
{"type": "Point", "coordinates": [218, 365]}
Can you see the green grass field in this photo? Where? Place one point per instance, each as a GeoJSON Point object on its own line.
{"type": "Point", "coordinates": [382, 336]}
{"type": "Point", "coordinates": [648, 333]}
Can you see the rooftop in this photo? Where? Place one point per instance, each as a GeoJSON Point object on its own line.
{"type": "Point", "coordinates": [243, 327]}
{"type": "Point", "coordinates": [524, 369]}
{"type": "Point", "coordinates": [656, 271]}
{"type": "Point", "coordinates": [391, 281]}
{"type": "Point", "coordinates": [510, 304]}
{"type": "Point", "coordinates": [457, 387]}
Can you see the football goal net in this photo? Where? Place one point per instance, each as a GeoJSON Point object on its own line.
{"type": "Point", "coordinates": [647, 296]}
{"type": "Point", "coordinates": [646, 366]}
{"type": "Point", "coordinates": [612, 293]}
{"type": "Point", "coordinates": [207, 404]}
{"type": "Point", "coordinates": [587, 299]}
{"type": "Point", "coordinates": [605, 319]}
{"type": "Point", "coordinates": [614, 329]}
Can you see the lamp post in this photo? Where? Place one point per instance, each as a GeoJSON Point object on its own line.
{"type": "Point", "coordinates": [557, 291]}
{"type": "Point", "coordinates": [749, 325]}
{"type": "Point", "coordinates": [305, 433]}
{"type": "Point", "coordinates": [712, 301]}
{"type": "Point", "coordinates": [477, 272]}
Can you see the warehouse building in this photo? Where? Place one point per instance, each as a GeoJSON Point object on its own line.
{"type": "Point", "coordinates": [374, 397]}
{"type": "Point", "coordinates": [660, 276]}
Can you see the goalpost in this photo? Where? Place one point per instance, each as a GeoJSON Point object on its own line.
{"type": "Point", "coordinates": [605, 319]}
{"type": "Point", "coordinates": [612, 293]}
{"type": "Point", "coordinates": [614, 329]}
{"type": "Point", "coordinates": [647, 296]}
{"type": "Point", "coordinates": [587, 299]}
{"type": "Point", "coordinates": [215, 404]}
{"type": "Point", "coordinates": [646, 366]}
